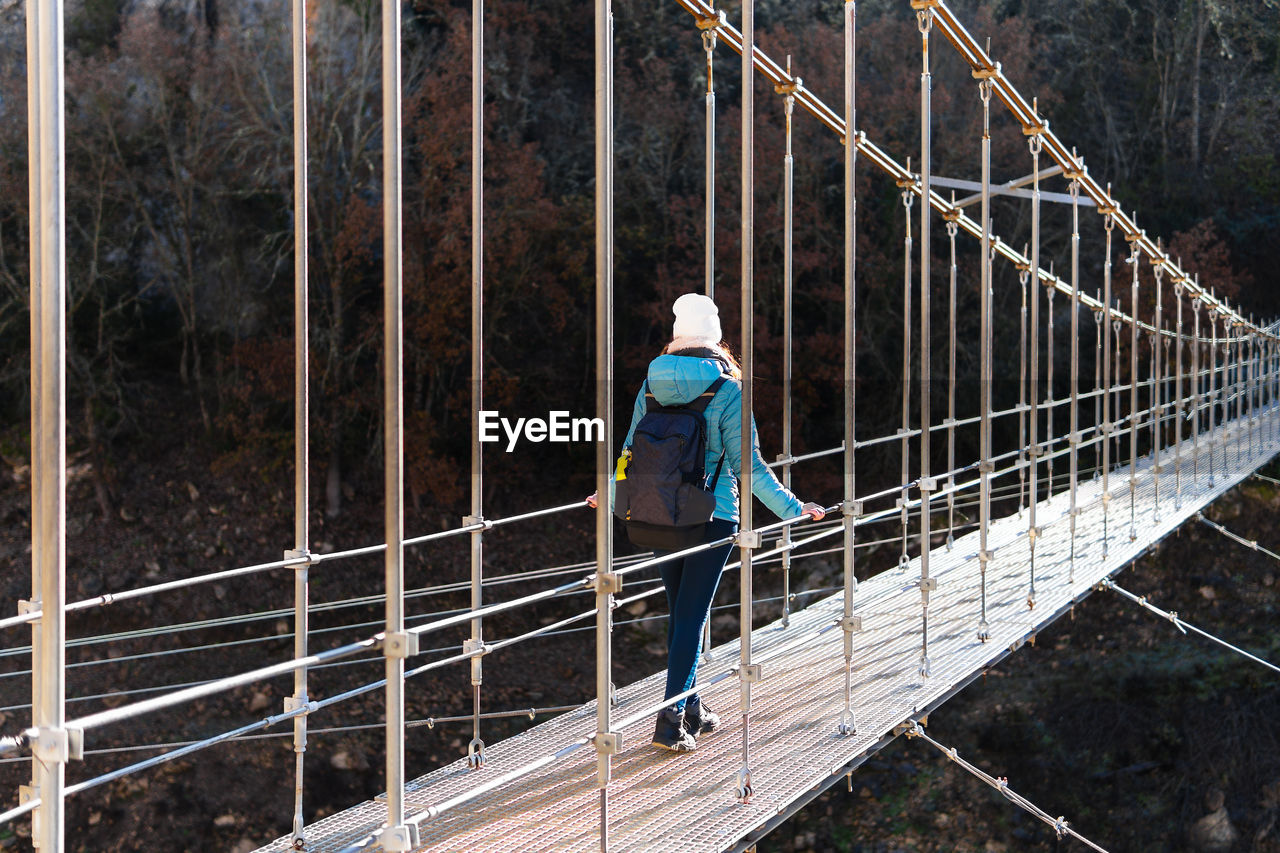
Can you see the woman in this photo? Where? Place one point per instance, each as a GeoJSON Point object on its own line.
{"type": "Point", "coordinates": [687, 367]}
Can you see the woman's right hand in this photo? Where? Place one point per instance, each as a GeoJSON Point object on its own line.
{"type": "Point", "coordinates": [593, 499]}
{"type": "Point", "coordinates": [816, 512]}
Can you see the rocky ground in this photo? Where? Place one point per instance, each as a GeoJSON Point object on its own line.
{"type": "Point", "coordinates": [1144, 739]}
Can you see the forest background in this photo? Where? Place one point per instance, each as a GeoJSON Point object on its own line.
{"type": "Point", "coordinates": [179, 244]}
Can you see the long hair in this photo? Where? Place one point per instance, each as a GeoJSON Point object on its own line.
{"type": "Point", "coordinates": [719, 351]}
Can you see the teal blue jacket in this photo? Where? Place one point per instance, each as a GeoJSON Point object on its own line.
{"type": "Point", "coordinates": [675, 380]}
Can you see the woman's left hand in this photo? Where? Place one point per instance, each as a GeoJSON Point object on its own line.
{"type": "Point", "coordinates": [814, 511]}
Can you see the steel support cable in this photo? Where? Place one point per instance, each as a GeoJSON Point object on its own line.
{"type": "Point", "coordinates": [1001, 784]}
{"type": "Point", "coordinates": [220, 645]}
{"type": "Point", "coordinates": [1248, 543]}
{"type": "Point", "coordinates": [1182, 625]}
{"type": "Point", "coordinates": [310, 559]}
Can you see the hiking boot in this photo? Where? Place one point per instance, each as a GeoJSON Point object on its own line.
{"type": "Point", "coordinates": [698, 718]}
{"type": "Point", "coordinates": [670, 732]}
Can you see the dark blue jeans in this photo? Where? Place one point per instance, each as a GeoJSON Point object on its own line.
{"type": "Point", "coordinates": [691, 585]}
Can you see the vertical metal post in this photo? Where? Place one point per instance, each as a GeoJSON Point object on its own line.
{"type": "Point", "coordinates": [1099, 325]}
{"type": "Point", "coordinates": [1134, 257]}
{"type": "Point", "coordinates": [1051, 291]}
{"type": "Point", "coordinates": [475, 748]}
{"type": "Point", "coordinates": [396, 648]}
{"type": "Point", "coordinates": [1073, 436]}
{"type": "Point", "coordinates": [985, 465]}
{"type": "Point", "coordinates": [47, 155]}
{"type": "Point", "coordinates": [1211, 391]}
{"type": "Point", "coordinates": [1105, 425]}
{"type": "Point", "coordinates": [849, 509]}
{"type": "Point", "coordinates": [747, 537]}
{"type": "Point", "coordinates": [788, 91]}
{"type": "Point", "coordinates": [924, 22]}
{"type": "Point", "coordinates": [301, 411]}
{"type": "Point", "coordinates": [1156, 385]}
{"type": "Point", "coordinates": [1035, 143]}
{"type": "Point", "coordinates": [606, 741]}
{"type": "Point", "coordinates": [1196, 384]}
{"type": "Point", "coordinates": [1179, 405]}
{"type": "Point", "coordinates": [1024, 273]}
{"type": "Point", "coordinates": [953, 228]}
{"type": "Point", "coordinates": [709, 45]}
{"type": "Point", "coordinates": [1116, 325]}
{"type": "Point", "coordinates": [904, 432]}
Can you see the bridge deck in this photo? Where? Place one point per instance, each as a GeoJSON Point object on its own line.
{"type": "Point", "coordinates": [663, 802]}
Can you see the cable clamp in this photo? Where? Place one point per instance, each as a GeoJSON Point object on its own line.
{"type": "Point", "coordinates": [399, 838]}
{"type": "Point", "coordinates": [851, 624]}
{"type": "Point", "coordinates": [400, 644]}
{"type": "Point", "coordinates": [470, 520]}
{"type": "Point", "coordinates": [294, 703]}
{"type": "Point", "coordinates": [26, 608]}
{"type": "Point", "coordinates": [750, 673]}
{"type": "Point", "coordinates": [607, 583]}
{"type": "Point", "coordinates": [928, 484]}
{"type": "Point", "coordinates": [476, 648]}
{"type": "Point", "coordinates": [303, 554]}
{"type": "Point", "coordinates": [986, 556]}
{"type": "Point", "coordinates": [748, 539]}
{"type": "Point", "coordinates": [1060, 826]}
{"type": "Point", "coordinates": [927, 584]}
{"type": "Point", "coordinates": [607, 743]}
{"type": "Point", "coordinates": [851, 509]}
{"type": "Point", "coordinates": [54, 745]}
{"type": "Point", "coordinates": [1074, 438]}
{"type": "Point", "coordinates": [791, 88]}
{"type": "Point", "coordinates": [713, 23]}
{"type": "Point", "coordinates": [1106, 428]}
{"type": "Point", "coordinates": [1035, 451]}
{"type": "Point", "coordinates": [1033, 534]}
{"type": "Point", "coordinates": [987, 73]}
{"type": "Point", "coordinates": [986, 466]}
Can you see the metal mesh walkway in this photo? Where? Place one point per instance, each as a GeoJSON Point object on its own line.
{"type": "Point", "coordinates": [663, 802]}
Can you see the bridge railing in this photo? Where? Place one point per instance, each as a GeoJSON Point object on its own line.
{"type": "Point", "coordinates": [1229, 384]}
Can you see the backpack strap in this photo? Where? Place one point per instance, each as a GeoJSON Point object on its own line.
{"type": "Point", "coordinates": [698, 404]}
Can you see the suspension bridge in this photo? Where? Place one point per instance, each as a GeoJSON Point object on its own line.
{"type": "Point", "coordinates": [1182, 407]}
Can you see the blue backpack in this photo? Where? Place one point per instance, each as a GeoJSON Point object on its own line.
{"type": "Point", "coordinates": [662, 492]}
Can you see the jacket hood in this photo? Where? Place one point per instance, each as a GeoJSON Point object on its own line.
{"type": "Point", "coordinates": [675, 380]}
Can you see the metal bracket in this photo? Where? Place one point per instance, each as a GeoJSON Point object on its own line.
{"type": "Point", "coordinates": [911, 728]}
{"type": "Point", "coordinates": [850, 624]}
{"type": "Point", "coordinates": [750, 673]}
{"type": "Point", "coordinates": [928, 484]}
{"type": "Point", "coordinates": [986, 467]}
{"type": "Point", "coordinates": [748, 539]}
{"type": "Point", "coordinates": [851, 509]}
{"type": "Point", "coordinates": [791, 88]}
{"type": "Point", "coordinates": [927, 584]}
{"type": "Point", "coordinates": [1033, 533]}
{"type": "Point", "coordinates": [1033, 452]}
{"type": "Point", "coordinates": [607, 583]}
{"type": "Point", "coordinates": [986, 556]}
{"type": "Point", "coordinates": [469, 520]}
{"type": "Point", "coordinates": [1106, 428]}
{"type": "Point", "coordinates": [299, 554]}
{"type": "Point", "coordinates": [59, 746]}
{"type": "Point", "coordinates": [293, 703]}
{"type": "Point", "coordinates": [472, 647]}
{"type": "Point", "coordinates": [712, 23]}
{"type": "Point", "coordinates": [400, 644]}
{"type": "Point", "coordinates": [399, 838]}
{"type": "Point", "coordinates": [608, 743]}
{"type": "Point", "coordinates": [26, 607]}
{"type": "Point", "coordinates": [986, 73]}
{"type": "Point", "coordinates": [1074, 438]}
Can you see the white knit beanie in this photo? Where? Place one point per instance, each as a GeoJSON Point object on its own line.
{"type": "Point", "coordinates": [696, 317]}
